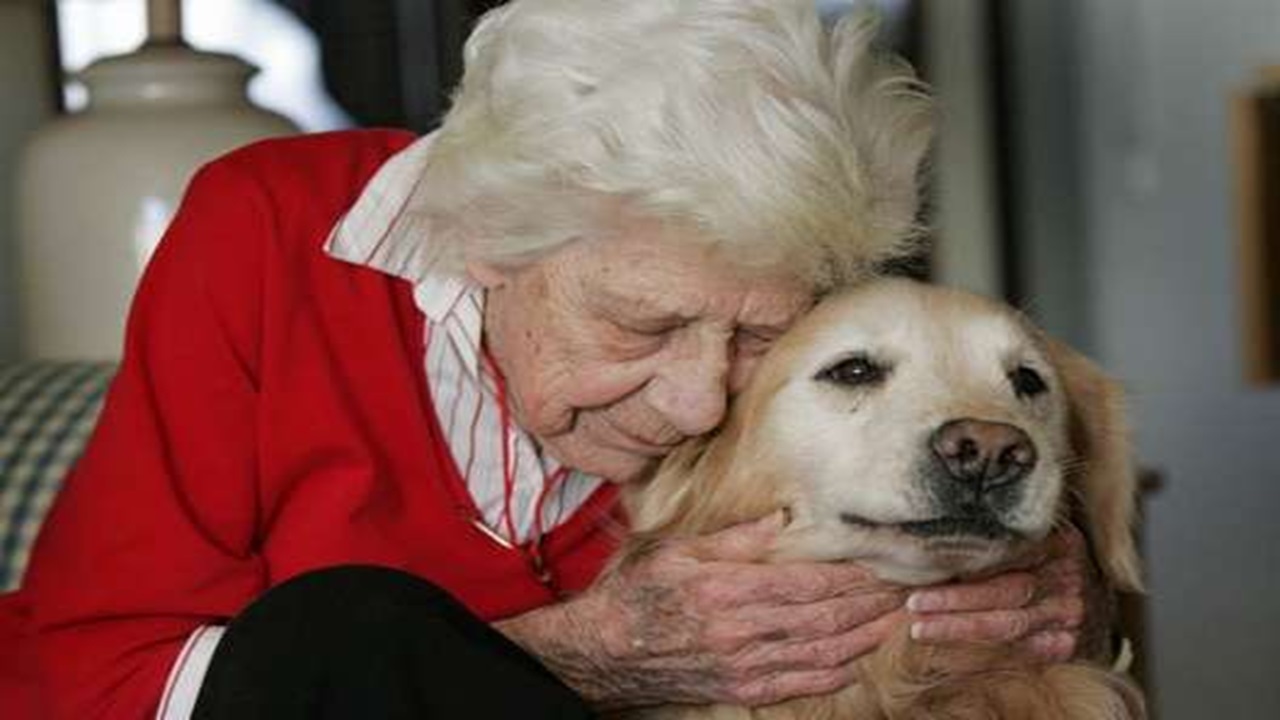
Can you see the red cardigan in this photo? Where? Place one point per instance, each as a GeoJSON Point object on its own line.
{"type": "Point", "coordinates": [270, 416]}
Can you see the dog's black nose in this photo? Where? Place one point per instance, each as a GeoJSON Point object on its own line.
{"type": "Point", "coordinates": [982, 453]}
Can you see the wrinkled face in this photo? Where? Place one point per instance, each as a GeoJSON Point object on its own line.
{"type": "Point", "coordinates": [617, 349]}
{"type": "Point", "coordinates": [925, 432]}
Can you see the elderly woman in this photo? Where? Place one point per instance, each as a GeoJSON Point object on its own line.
{"type": "Point", "coordinates": [378, 392]}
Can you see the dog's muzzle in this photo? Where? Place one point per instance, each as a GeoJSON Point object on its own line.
{"type": "Point", "coordinates": [974, 476]}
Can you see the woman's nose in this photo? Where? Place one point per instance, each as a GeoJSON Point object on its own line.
{"type": "Point", "coordinates": [691, 389]}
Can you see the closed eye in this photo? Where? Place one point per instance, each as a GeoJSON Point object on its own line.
{"type": "Point", "coordinates": [652, 327]}
{"type": "Point", "coordinates": [751, 343]}
{"type": "Point", "coordinates": [854, 371]}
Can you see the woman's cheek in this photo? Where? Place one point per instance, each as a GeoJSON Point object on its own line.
{"type": "Point", "coordinates": [599, 385]}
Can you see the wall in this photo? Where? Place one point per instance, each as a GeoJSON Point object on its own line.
{"type": "Point", "coordinates": [1047, 212]}
{"type": "Point", "coordinates": [26, 101]}
{"type": "Point", "coordinates": [965, 250]}
{"type": "Point", "coordinates": [1142, 122]}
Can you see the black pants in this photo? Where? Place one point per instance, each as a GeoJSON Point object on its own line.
{"type": "Point", "coordinates": [366, 642]}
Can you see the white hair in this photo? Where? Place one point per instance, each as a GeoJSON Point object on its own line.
{"type": "Point", "coordinates": [793, 145]}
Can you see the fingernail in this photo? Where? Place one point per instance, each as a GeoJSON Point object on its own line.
{"type": "Point", "coordinates": [923, 602]}
{"type": "Point", "coordinates": [1062, 639]}
{"type": "Point", "coordinates": [1055, 645]}
{"type": "Point", "coordinates": [918, 631]}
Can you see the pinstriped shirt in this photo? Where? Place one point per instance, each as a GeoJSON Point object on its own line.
{"type": "Point", "coordinates": [378, 233]}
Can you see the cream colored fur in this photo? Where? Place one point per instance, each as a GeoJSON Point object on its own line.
{"type": "Point", "coordinates": [792, 441]}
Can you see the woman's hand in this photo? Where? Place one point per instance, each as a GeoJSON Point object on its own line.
{"type": "Point", "coordinates": [697, 621]}
{"type": "Point", "coordinates": [1059, 608]}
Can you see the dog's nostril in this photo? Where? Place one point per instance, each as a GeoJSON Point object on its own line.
{"type": "Point", "coordinates": [1007, 457]}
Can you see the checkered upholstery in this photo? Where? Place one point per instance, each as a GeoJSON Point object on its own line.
{"type": "Point", "coordinates": [47, 411]}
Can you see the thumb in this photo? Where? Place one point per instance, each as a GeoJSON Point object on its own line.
{"type": "Point", "coordinates": [744, 542]}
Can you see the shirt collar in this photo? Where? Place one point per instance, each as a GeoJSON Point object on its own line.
{"type": "Point", "coordinates": [380, 233]}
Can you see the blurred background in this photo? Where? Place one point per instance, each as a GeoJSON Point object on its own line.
{"type": "Point", "coordinates": [1110, 166]}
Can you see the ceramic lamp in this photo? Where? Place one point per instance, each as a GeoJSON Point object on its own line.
{"type": "Point", "coordinates": [97, 188]}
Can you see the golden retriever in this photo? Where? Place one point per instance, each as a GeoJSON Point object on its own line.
{"type": "Point", "coordinates": [927, 434]}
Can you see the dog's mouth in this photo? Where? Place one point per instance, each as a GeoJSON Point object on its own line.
{"type": "Point", "coordinates": [983, 526]}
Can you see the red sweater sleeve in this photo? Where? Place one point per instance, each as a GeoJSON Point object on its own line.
{"type": "Point", "coordinates": [153, 534]}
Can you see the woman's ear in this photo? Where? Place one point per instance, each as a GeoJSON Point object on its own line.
{"type": "Point", "coordinates": [1104, 477]}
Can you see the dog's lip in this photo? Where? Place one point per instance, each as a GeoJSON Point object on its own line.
{"type": "Point", "coordinates": [982, 526]}
{"type": "Point", "coordinates": [935, 528]}
{"type": "Point", "coordinates": [849, 518]}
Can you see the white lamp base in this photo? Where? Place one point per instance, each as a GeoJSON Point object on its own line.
{"type": "Point", "coordinates": [96, 189]}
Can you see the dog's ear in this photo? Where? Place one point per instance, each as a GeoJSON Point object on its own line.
{"type": "Point", "coordinates": [1104, 475]}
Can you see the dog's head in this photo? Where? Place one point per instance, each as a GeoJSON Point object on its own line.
{"type": "Point", "coordinates": [924, 432]}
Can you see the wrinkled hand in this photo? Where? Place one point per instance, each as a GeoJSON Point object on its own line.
{"type": "Point", "coordinates": [1058, 608]}
{"type": "Point", "coordinates": [696, 621]}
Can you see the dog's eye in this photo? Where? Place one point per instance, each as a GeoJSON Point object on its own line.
{"type": "Point", "coordinates": [854, 372]}
{"type": "Point", "coordinates": [1027, 382]}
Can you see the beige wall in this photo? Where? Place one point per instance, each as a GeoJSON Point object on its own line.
{"type": "Point", "coordinates": [25, 100]}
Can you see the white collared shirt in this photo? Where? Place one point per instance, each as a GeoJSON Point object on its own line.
{"type": "Point", "coordinates": [377, 233]}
